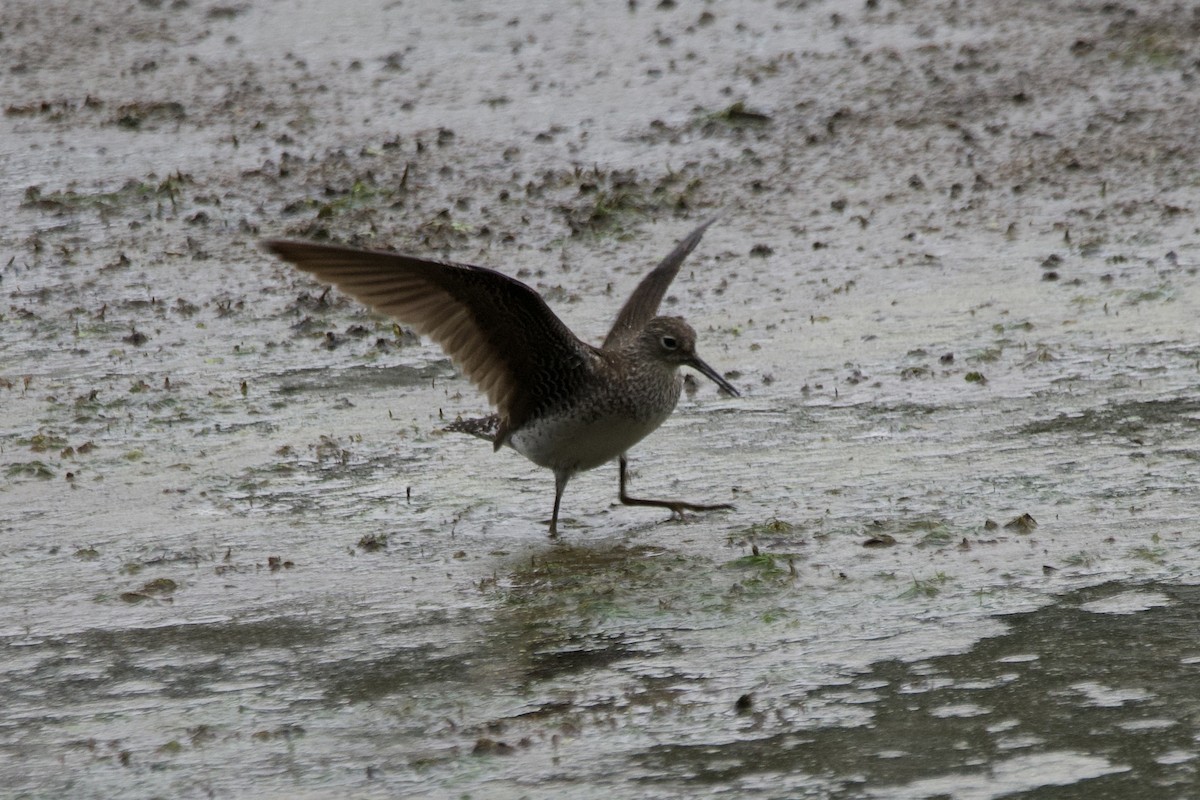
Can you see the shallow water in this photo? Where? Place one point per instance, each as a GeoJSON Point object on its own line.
{"type": "Point", "coordinates": [239, 557]}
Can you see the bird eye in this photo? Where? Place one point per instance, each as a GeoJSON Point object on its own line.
{"type": "Point", "coordinates": [669, 343]}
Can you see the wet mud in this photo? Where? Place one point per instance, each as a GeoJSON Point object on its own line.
{"type": "Point", "coordinates": [955, 279]}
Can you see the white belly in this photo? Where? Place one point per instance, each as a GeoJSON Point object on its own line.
{"type": "Point", "coordinates": [574, 445]}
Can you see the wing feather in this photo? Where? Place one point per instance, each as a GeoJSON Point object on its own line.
{"type": "Point", "coordinates": [642, 305]}
{"type": "Point", "coordinates": [499, 331]}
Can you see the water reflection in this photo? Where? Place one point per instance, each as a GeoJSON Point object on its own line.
{"type": "Point", "coordinates": [1094, 696]}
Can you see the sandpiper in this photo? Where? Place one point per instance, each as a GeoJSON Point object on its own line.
{"type": "Point", "coordinates": [560, 402]}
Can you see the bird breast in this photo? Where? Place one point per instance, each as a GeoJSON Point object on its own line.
{"type": "Point", "coordinates": [600, 425]}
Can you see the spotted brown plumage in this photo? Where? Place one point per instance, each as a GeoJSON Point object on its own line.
{"type": "Point", "coordinates": [564, 404]}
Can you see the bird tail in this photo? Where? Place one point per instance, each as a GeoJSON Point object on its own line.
{"type": "Point", "coordinates": [485, 428]}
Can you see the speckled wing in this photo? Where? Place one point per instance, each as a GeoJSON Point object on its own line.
{"type": "Point", "coordinates": [497, 330]}
{"type": "Point", "coordinates": [642, 305]}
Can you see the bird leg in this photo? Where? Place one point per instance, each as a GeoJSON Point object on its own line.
{"type": "Point", "coordinates": [560, 483]}
{"type": "Point", "coordinates": [677, 506]}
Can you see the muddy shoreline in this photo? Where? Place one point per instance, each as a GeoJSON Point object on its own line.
{"type": "Point", "coordinates": [954, 278]}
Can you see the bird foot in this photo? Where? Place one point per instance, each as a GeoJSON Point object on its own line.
{"type": "Point", "coordinates": [676, 507]}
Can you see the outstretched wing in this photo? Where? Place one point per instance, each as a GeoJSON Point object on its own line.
{"type": "Point", "coordinates": [642, 305]}
{"type": "Point", "coordinates": [499, 331]}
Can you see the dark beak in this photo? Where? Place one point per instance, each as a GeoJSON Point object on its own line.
{"type": "Point", "coordinates": [713, 375]}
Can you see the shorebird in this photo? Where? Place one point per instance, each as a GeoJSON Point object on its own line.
{"type": "Point", "coordinates": [562, 403]}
